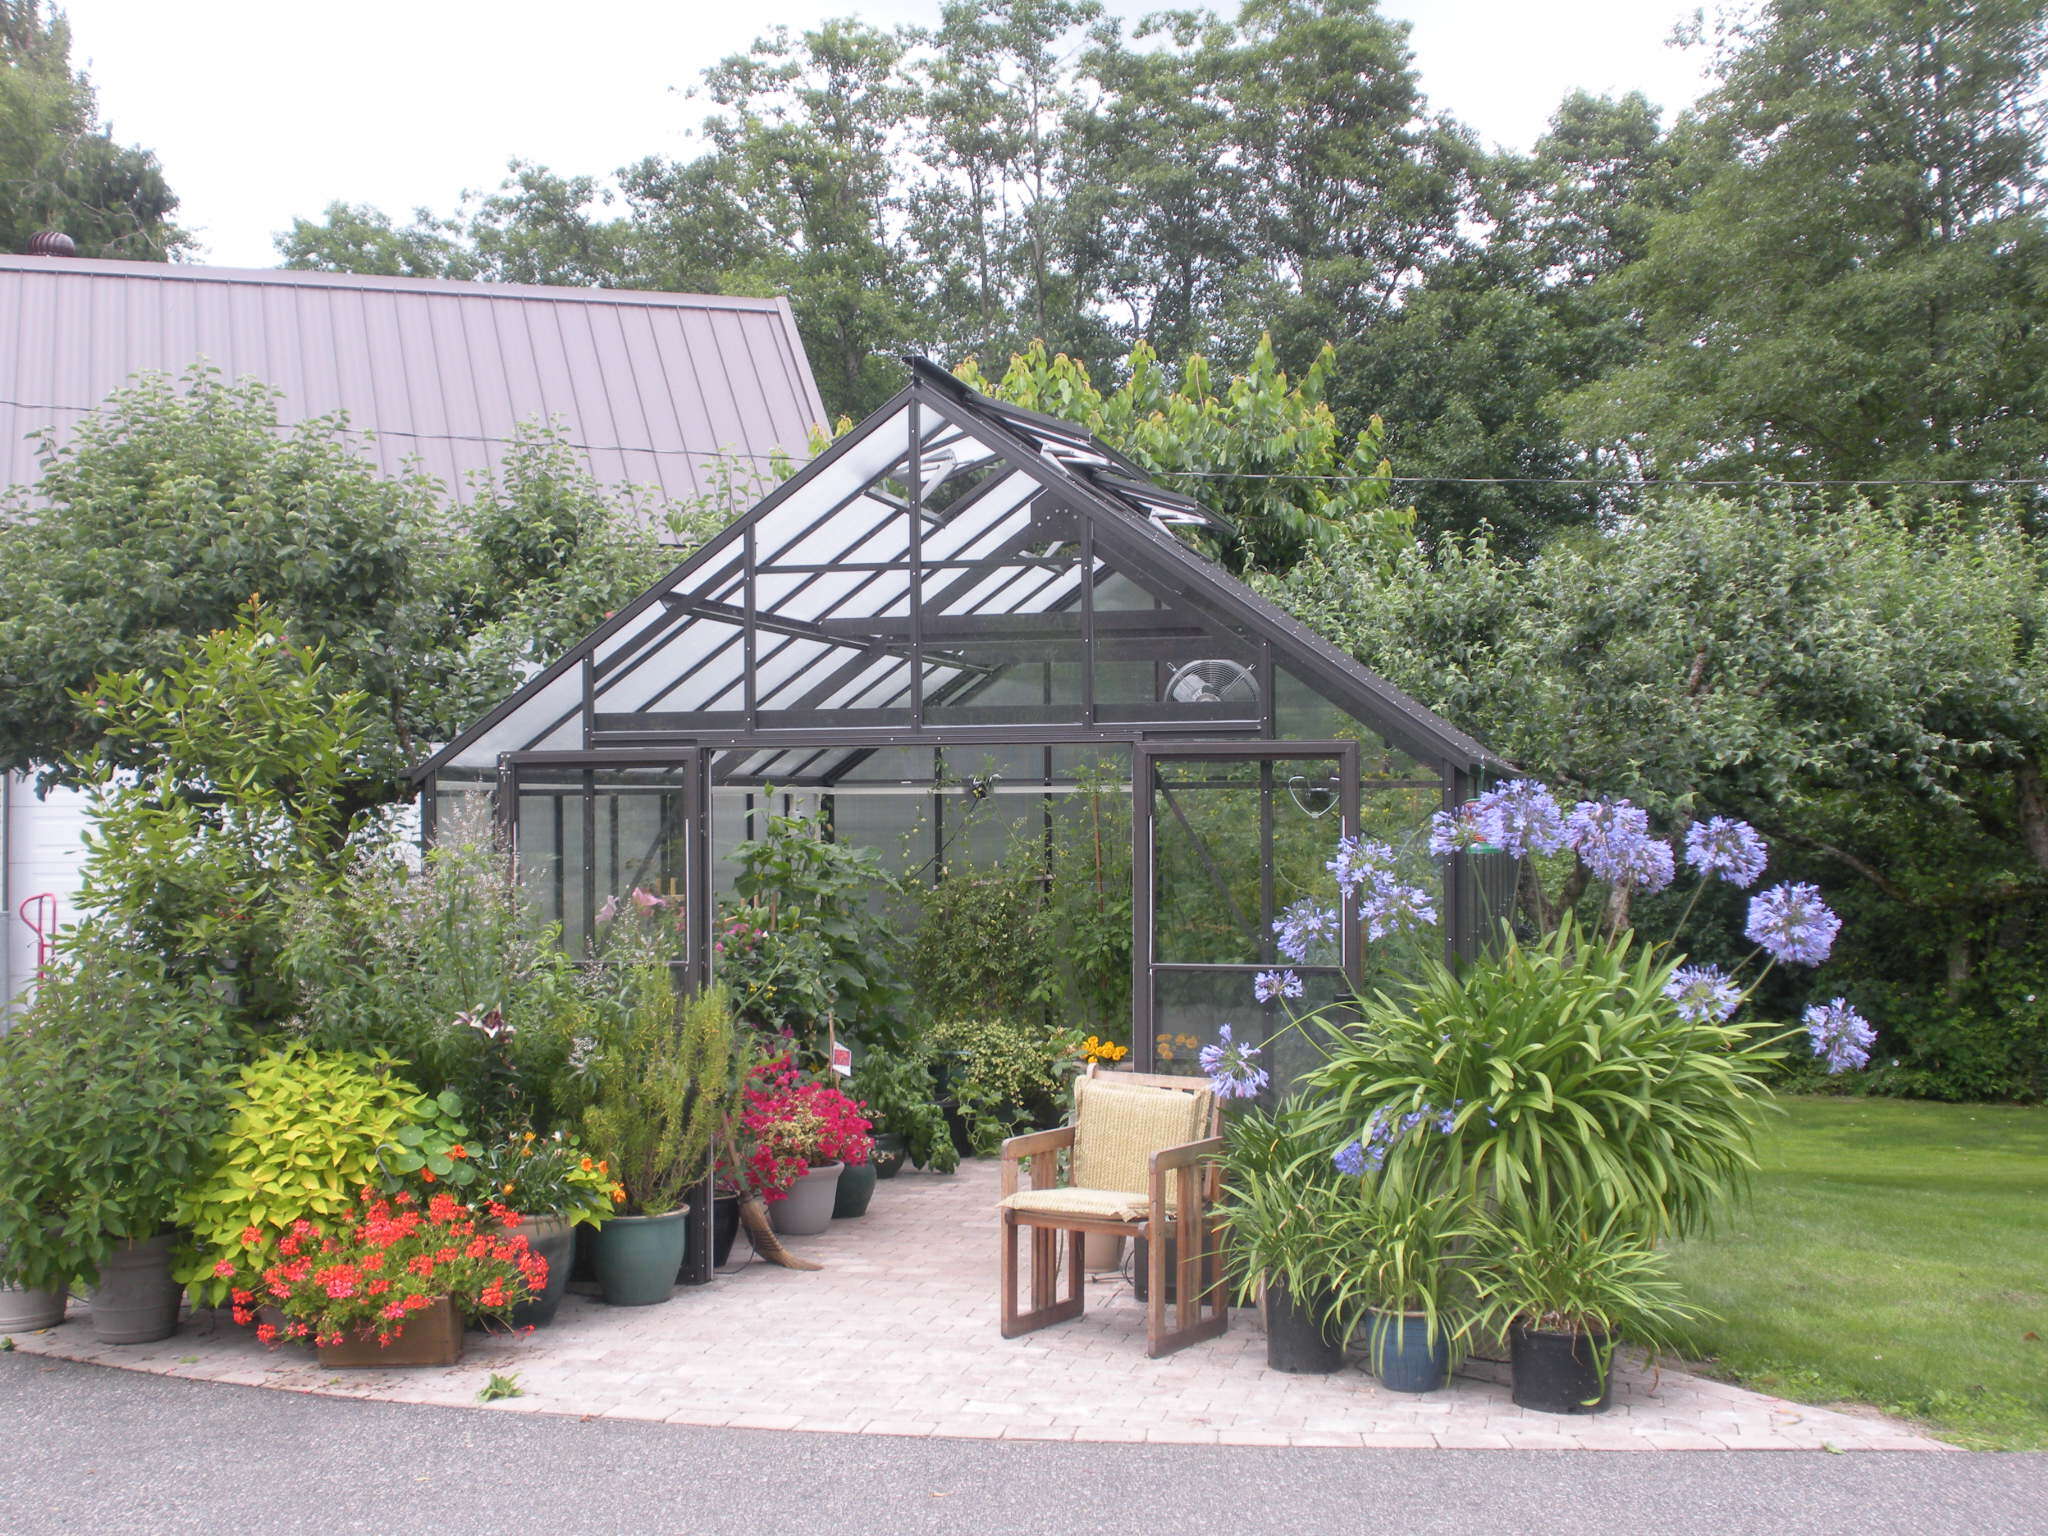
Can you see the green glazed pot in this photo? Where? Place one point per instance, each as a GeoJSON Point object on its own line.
{"type": "Point", "coordinates": [856, 1189]}
{"type": "Point", "coordinates": [550, 1236]}
{"type": "Point", "coordinates": [638, 1256]}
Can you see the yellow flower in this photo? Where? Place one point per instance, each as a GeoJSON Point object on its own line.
{"type": "Point", "coordinates": [508, 1187]}
{"type": "Point", "coordinates": [529, 1135]}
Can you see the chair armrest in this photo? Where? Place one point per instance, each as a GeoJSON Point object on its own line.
{"type": "Point", "coordinates": [1164, 1164]}
{"type": "Point", "coordinates": [1017, 1148]}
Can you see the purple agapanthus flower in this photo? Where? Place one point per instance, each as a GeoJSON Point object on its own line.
{"type": "Point", "coordinates": [1391, 908]}
{"type": "Point", "coordinates": [1704, 993]}
{"type": "Point", "coordinates": [1268, 986]}
{"type": "Point", "coordinates": [1359, 860]}
{"type": "Point", "coordinates": [1304, 926]}
{"type": "Point", "coordinates": [1613, 838]}
{"type": "Point", "coordinates": [1519, 817]}
{"type": "Point", "coordinates": [1233, 1067]}
{"type": "Point", "coordinates": [1350, 1158]}
{"type": "Point", "coordinates": [1452, 832]}
{"type": "Point", "coordinates": [1841, 1036]}
{"type": "Point", "coordinates": [1728, 849]}
{"type": "Point", "coordinates": [1792, 924]}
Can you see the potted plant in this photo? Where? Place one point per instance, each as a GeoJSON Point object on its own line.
{"type": "Point", "coordinates": [1279, 1200]}
{"type": "Point", "coordinates": [797, 1134]}
{"type": "Point", "coordinates": [660, 1083]}
{"type": "Point", "coordinates": [1392, 1260]}
{"type": "Point", "coordinates": [110, 1094]}
{"type": "Point", "coordinates": [392, 1282]}
{"type": "Point", "coordinates": [1568, 1285]}
{"type": "Point", "coordinates": [554, 1186]}
{"type": "Point", "coordinates": [902, 1102]}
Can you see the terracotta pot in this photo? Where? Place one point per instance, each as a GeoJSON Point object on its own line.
{"type": "Point", "coordinates": [1101, 1251]}
{"type": "Point", "coordinates": [432, 1336]}
{"type": "Point", "coordinates": [807, 1209]}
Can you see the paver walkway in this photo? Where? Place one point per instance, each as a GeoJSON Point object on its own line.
{"type": "Point", "coordinates": [897, 1335]}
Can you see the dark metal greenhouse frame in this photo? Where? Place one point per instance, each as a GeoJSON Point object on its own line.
{"type": "Point", "coordinates": [955, 573]}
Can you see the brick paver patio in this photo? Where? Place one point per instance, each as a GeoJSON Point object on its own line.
{"type": "Point", "coordinates": [897, 1335]}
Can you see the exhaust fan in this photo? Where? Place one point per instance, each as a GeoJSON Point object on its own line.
{"type": "Point", "coordinates": [1213, 681]}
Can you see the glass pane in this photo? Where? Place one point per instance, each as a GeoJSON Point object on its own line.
{"type": "Point", "coordinates": [1190, 1007]}
{"type": "Point", "coordinates": [588, 840]}
{"type": "Point", "coordinates": [1236, 842]}
{"type": "Point", "coordinates": [1302, 714]}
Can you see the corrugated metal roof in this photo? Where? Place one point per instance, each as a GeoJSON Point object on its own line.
{"type": "Point", "coordinates": [653, 388]}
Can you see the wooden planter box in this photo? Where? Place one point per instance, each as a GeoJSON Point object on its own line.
{"type": "Point", "coordinates": [432, 1336]}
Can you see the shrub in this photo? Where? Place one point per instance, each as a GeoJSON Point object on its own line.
{"type": "Point", "coordinates": [1003, 1075]}
{"type": "Point", "coordinates": [111, 1094]}
{"type": "Point", "coordinates": [902, 1099]}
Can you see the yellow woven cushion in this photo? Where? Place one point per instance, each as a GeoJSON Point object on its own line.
{"type": "Point", "coordinates": [1118, 1126]}
{"type": "Point", "coordinates": [1108, 1204]}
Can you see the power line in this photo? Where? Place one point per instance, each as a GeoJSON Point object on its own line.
{"type": "Point", "coordinates": [1619, 485]}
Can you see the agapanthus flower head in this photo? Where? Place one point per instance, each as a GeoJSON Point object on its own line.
{"type": "Point", "coordinates": [1840, 1035]}
{"type": "Point", "coordinates": [1792, 924]}
{"type": "Point", "coordinates": [1350, 1158]}
{"type": "Point", "coordinates": [1453, 831]}
{"type": "Point", "coordinates": [1233, 1067]}
{"type": "Point", "coordinates": [1390, 909]}
{"type": "Point", "coordinates": [1613, 838]}
{"type": "Point", "coordinates": [1519, 817]}
{"type": "Point", "coordinates": [1358, 860]}
{"type": "Point", "coordinates": [1705, 994]}
{"type": "Point", "coordinates": [1269, 986]}
{"type": "Point", "coordinates": [1726, 849]}
{"type": "Point", "coordinates": [1305, 927]}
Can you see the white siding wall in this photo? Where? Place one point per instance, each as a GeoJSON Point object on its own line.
{"type": "Point", "coordinates": [41, 853]}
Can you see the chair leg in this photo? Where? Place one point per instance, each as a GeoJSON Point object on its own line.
{"type": "Point", "coordinates": [1045, 1310]}
{"type": "Point", "coordinates": [1201, 1310]}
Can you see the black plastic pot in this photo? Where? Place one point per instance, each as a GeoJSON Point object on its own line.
{"type": "Point", "coordinates": [1301, 1337]}
{"type": "Point", "coordinates": [725, 1226]}
{"type": "Point", "coordinates": [888, 1156]}
{"type": "Point", "coordinates": [1141, 1273]}
{"type": "Point", "coordinates": [1560, 1372]}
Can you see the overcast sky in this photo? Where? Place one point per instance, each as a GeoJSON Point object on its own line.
{"type": "Point", "coordinates": [263, 110]}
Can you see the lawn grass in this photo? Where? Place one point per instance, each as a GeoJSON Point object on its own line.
{"type": "Point", "coordinates": [1893, 1253]}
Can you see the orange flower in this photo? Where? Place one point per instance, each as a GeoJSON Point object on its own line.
{"type": "Point", "coordinates": [458, 1150]}
{"type": "Point", "coordinates": [618, 1194]}
{"type": "Point", "coordinates": [587, 1165]}
{"type": "Point", "coordinates": [603, 1166]}
{"type": "Point", "coordinates": [427, 1174]}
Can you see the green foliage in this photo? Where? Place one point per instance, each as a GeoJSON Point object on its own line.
{"type": "Point", "coordinates": [539, 1175]}
{"type": "Point", "coordinates": [1868, 685]}
{"type": "Point", "coordinates": [1278, 434]}
{"type": "Point", "coordinates": [111, 1092]}
{"type": "Point", "coordinates": [1572, 1268]}
{"type": "Point", "coordinates": [434, 1145]}
{"type": "Point", "coordinates": [1848, 289]}
{"type": "Point", "coordinates": [500, 1386]}
{"type": "Point", "coordinates": [901, 1097]}
{"type": "Point", "coordinates": [59, 165]}
{"type": "Point", "coordinates": [665, 1080]}
{"type": "Point", "coordinates": [1401, 1245]}
{"type": "Point", "coordinates": [254, 769]}
{"type": "Point", "coordinates": [445, 968]}
{"type": "Point", "coordinates": [1282, 1198]}
{"type": "Point", "coordinates": [982, 939]}
{"type": "Point", "coordinates": [816, 936]}
{"type": "Point", "coordinates": [1568, 1076]}
{"type": "Point", "coordinates": [1002, 1076]}
{"type": "Point", "coordinates": [306, 1131]}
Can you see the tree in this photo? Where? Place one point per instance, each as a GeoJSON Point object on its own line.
{"type": "Point", "coordinates": [1265, 451]}
{"type": "Point", "coordinates": [59, 167]}
{"type": "Point", "coordinates": [1869, 687]}
{"type": "Point", "coordinates": [1852, 290]}
{"type": "Point", "coordinates": [351, 237]}
{"type": "Point", "coordinates": [175, 504]}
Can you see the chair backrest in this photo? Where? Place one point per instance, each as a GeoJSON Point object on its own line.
{"type": "Point", "coordinates": [1122, 1118]}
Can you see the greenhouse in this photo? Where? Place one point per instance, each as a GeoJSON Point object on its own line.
{"type": "Point", "coordinates": [963, 627]}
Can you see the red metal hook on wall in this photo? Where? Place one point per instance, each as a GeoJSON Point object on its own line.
{"type": "Point", "coordinates": [39, 912]}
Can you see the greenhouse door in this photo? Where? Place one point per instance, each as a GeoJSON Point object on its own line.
{"type": "Point", "coordinates": [1227, 837]}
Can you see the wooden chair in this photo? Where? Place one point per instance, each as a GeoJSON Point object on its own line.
{"type": "Point", "coordinates": [1143, 1154]}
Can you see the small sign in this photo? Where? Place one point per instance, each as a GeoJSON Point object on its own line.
{"type": "Point", "coordinates": [842, 1060]}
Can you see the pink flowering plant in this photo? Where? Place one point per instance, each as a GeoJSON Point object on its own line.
{"type": "Point", "coordinates": [791, 1123]}
{"type": "Point", "coordinates": [367, 1276]}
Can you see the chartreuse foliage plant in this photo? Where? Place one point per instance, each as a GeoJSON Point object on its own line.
{"type": "Point", "coordinates": [111, 1092]}
{"type": "Point", "coordinates": [1552, 1071]}
{"type": "Point", "coordinates": [306, 1132]}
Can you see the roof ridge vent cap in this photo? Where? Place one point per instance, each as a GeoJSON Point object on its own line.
{"type": "Point", "coordinates": [50, 242]}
